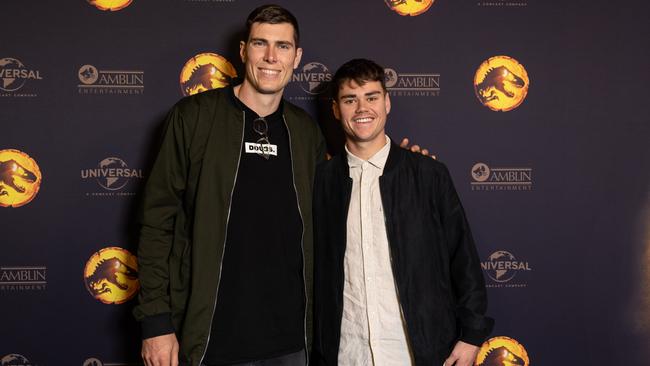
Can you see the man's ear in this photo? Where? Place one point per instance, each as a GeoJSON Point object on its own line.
{"type": "Point", "coordinates": [387, 102]}
{"type": "Point", "coordinates": [296, 62]}
{"type": "Point", "coordinates": [242, 51]}
{"type": "Point", "coordinates": [335, 110]}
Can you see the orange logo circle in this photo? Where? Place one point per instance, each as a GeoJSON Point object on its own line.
{"type": "Point", "coordinates": [409, 7]}
{"type": "Point", "coordinates": [206, 71]}
{"type": "Point", "coordinates": [501, 83]}
{"type": "Point", "coordinates": [111, 275]}
{"type": "Point", "coordinates": [20, 178]}
{"type": "Point", "coordinates": [110, 5]}
{"type": "Point", "coordinates": [499, 351]}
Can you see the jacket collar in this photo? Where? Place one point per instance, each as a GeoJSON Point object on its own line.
{"type": "Point", "coordinates": [395, 155]}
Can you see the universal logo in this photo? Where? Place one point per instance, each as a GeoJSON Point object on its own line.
{"type": "Point", "coordinates": [110, 5]}
{"type": "Point", "coordinates": [206, 71]}
{"type": "Point", "coordinates": [14, 75]}
{"type": "Point", "coordinates": [111, 275]}
{"type": "Point", "coordinates": [502, 267]}
{"type": "Point", "coordinates": [409, 7]}
{"type": "Point", "coordinates": [412, 85]}
{"type": "Point", "coordinates": [15, 360]}
{"type": "Point", "coordinates": [485, 178]}
{"type": "Point", "coordinates": [97, 362]}
{"type": "Point", "coordinates": [499, 351]}
{"type": "Point", "coordinates": [23, 278]}
{"type": "Point", "coordinates": [115, 82]}
{"type": "Point", "coordinates": [502, 3]}
{"type": "Point", "coordinates": [113, 175]}
{"type": "Point", "coordinates": [313, 79]}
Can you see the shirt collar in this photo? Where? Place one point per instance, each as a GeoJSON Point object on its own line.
{"type": "Point", "coordinates": [378, 160]}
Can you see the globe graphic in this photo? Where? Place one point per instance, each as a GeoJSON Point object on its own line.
{"type": "Point", "coordinates": [501, 275]}
{"type": "Point", "coordinates": [315, 87]}
{"type": "Point", "coordinates": [112, 183]}
{"type": "Point", "coordinates": [11, 84]}
{"type": "Point", "coordinates": [14, 360]}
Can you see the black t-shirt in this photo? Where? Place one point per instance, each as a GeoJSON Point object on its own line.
{"type": "Point", "coordinates": [260, 303]}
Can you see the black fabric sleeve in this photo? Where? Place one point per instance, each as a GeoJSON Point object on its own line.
{"type": "Point", "coordinates": [465, 267]}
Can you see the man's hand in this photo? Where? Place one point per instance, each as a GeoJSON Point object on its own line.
{"type": "Point", "coordinates": [414, 148]}
{"type": "Point", "coordinates": [160, 351]}
{"type": "Point", "coordinates": [463, 354]}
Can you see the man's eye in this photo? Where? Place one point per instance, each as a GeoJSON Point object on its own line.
{"type": "Point", "coordinates": [284, 47]}
{"type": "Point", "coordinates": [257, 43]}
{"type": "Point", "coordinates": [349, 101]}
{"type": "Point", "coordinates": [372, 99]}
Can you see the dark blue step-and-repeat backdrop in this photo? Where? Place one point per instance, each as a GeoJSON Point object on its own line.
{"type": "Point", "coordinates": [539, 108]}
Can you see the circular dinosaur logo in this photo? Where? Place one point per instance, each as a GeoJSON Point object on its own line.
{"type": "Point", "coordinates": [20, 178]}
{"type": "Point", "coordinates": [110, 5]}
{"type": "Point", "coordinates": [501, 83]}
{"type": "Point", "coordinates": [111, 275]}
{"type": "Point", "coordinates": [499, 351]}
{"type": "Point", "coordinates": [480, 172]}
{"type": "Point", "coordinates": [409, 7]}
{"type": "Point", "coordinates": [15, 359]}
{"type": "Point", "coordinates": [206, 71]}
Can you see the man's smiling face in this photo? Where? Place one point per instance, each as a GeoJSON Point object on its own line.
{"type": "Point", "coordinates": [362, 110]}
{"type": "Point", "coordinates": [270, 55]}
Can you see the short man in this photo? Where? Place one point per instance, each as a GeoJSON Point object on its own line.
{"type": "Point", "coordinates": [397, 277]}
{"type": "Point", "coordinates": [225, 250]}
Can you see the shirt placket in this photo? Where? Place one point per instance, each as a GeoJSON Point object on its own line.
{"type": "Point", "coordinates": [367, 250]}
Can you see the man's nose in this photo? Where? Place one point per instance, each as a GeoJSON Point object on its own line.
{"type": "Point", "coordinates": [270, 55]}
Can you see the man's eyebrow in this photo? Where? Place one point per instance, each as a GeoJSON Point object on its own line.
{"type": "Point", "coordinates": [285, 43]}
{"type": "Point", "coordinates": [372, 93]}
{"type": "Point", "coordinates": [259, 40]}
{"type": "Point", "coordinates": [347, 96]}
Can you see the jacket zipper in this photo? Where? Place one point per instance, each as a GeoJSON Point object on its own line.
{"type": "Point", "coordinates": [399, 297]}
{"type": "Point", "coordinates": [302, 237]}
{"type": "Point", "coordinates": [225, 239]}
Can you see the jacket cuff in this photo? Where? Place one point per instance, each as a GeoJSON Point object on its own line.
{"type": "Point", "coordinates": [156, 325]}
{"type": "Point", "coordinates": [475, 337]}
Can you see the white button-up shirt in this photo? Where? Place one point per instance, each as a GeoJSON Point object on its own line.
{"type": "Point", "coordinates": [372, 328]}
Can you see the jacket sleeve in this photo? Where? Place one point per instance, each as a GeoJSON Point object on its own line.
{"type": "Point", "coordinates": [161, 203]}
{"type": "Point", "coordinates": [465, 267]}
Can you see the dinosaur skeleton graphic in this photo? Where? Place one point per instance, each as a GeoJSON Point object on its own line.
{"type": "Point", "coordinates": [501, 356]}
{"type": "Point", "coordinates": [495, 80]}
{"type": "Point", "coordinates": [202, 75]}
{"type": "Point", "coordinates": [394, 3]}
{"type": "Point", "coordinates": [10, 170]}
{"type": "Point", "coordinates": [107, 269]}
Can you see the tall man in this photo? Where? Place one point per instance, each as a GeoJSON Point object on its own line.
{"type": "Point", "coordinates": [397, 277]}
{"type": "Point", "coordinates": [225, 249]}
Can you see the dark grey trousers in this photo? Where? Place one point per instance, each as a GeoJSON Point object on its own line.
{"type": "Point", "coordinates": [292, 359]}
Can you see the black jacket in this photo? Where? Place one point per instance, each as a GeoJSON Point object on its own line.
{"type": "Point", "coordinates": [435, 264]}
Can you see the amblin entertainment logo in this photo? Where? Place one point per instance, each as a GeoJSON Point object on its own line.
{"type": "Point", "coordinates": [412, 85]}
{"type": "Point", "coordinates": [112, 174]}
{"type": "Point", "coordinates": [117, 82]}
{"type": "Point", "coordinates": [13, 77]}
{"type": "Point", "coordinates": [486, 178]}
{"type": "Point", "coordinates": [23, 278]}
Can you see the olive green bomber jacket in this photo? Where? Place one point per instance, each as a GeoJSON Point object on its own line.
{"type": "Point", "coordinates": [185, 213]}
